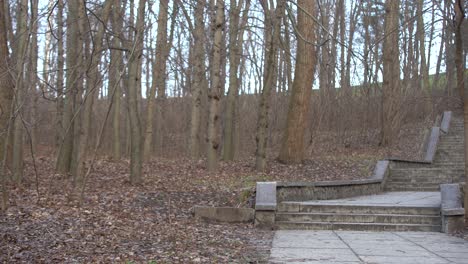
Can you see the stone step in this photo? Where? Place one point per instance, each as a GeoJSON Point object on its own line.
{"type": "Point", "coordinates": [356, 226]}
{"type": "Point", "coordinates": [449, 152]}
{"type": "Point", "coordinates": [430, 172]}
{"type": "Point", "coordinates": [450, 145]}
{"type": "Point", "coordinates": [445, 146]}
{"type": "Point", "coordinates": [429, 185]}
{"type": "Point", "coordinates": [359, 218]}
{"type": "Point", "coordinates": [458, 144]}
{"type": "Point", "coordinates": [449, 158]}
{"type": "Point", "coordinates": [421, 181]}
{"type": "Point", "coordinates": [405, 188]}
{"type": "Point", "coordinates": [434, 165]}
{"type": "Point", "coordinates": [300, 207]}
{"type": "Point", "coordinates": [435, 171]}
{"type": "Point", "coordinates": [455, 135]}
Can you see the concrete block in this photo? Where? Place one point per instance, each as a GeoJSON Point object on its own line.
{"type": "Point", "coordinates": [445, 124]}
{"type": "Point", "coordinates": [265, 219]}
{"type": "Point", "coordinates": [453, 223]}
{"type": "Point", "coordinates": [432, 144]}
{"type": "Point", "coordinates": [224, 214]}
{"type": "Point", "coordinates": [453, 214]}
{"type": "Point", "coordinates": [451, 196]}
{"type": "Point", "coordinates": [380, 170]}
{"type": "Point", "coordinates": [265, 199]}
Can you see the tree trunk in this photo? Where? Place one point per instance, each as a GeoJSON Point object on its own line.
{"type": "Point", "coordinates": [60, 64]}
{"type": "Point", "coordinates": [134, 79]}
{"type": "Point", "coordinates": [352, 29]}
{"type": "Point", "coordinates": [115, 81]}
{"type": "Point", "coordinates": [236, 40]}
{"type": "Point", "coordinates": [93, 82]}
{"type": "Point", "coordinates": [215, 90]}
{"type": "Point", "coordinates": [199, 86]}
{"type": "Point", "coordinates": [391, 93]}
{"type": "Point", "coordinates": [292, 148]}
{"type": "Point", "coordinates": [32, 73]}
{"type": "Point", "coordinates": [21, 48]}
{"type": "Point", "coordinates": [272, 34]}
{"type": "Point", "coordinates": [459, 55]}
{"type": "Point", "coordinates": [73, 61]}
{"type": "Point", "coordinates": [424, 72]}
{"type": "Point", "coordinates": [6, 98]}
{"type": "Point", "coordinates": [158, 67]}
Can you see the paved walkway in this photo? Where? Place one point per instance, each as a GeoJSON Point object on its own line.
{"type": "Point", "coordinates": [400, 199]}
{"type": "Point", "coordinates": [324, 247]}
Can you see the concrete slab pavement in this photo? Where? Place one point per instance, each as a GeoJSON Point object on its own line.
{"type": "Point", "coordinates": [300, 246]}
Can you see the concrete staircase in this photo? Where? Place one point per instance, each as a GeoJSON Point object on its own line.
{"type": "Point", "coordinates": [448, 165]}
{"type": "Point", "coordinates": [359, 218]}
{"type": "Point", "coordinates": [385, 212]}
{"type": "Point", "coordinates": [393, 211]}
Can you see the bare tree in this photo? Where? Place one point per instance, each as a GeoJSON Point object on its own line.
{"type": "Point", "coordinates": [273, 18]}
{"type": "Point", "coordinates": [93, 83]}
{"type": "Point", "coordinates": [74, 59]}
{"type": "Point", "coordinates": [157, 84]}
{"type": "Point", "coordinates": [292, 148]}
{"type": "Point", "coordinates": [462, 88]}
{"type": "Point", "coordinates": [391, 94]}
{"type": "Point", "coordinates": [236, 42]}
{"type": "Point", "coordinates": [60, 76]}
{"type": "Point", "coordinates": [6, 98]}
{"type": "Point", "coordinates": [215, 90]}
{"type": "Point", "coordinates": [134, 79]}
{"type": "Point", "coordinates": [163, 46]}
{"type": "Point", "coordinates": [115, 82]}
{"type": "Point", "coordinates": [20, 51]}
{"type": "Point", "coordinates": [199, 87]}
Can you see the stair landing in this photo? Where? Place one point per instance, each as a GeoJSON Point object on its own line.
{"type": "Point", "coordinates": [400, 199]}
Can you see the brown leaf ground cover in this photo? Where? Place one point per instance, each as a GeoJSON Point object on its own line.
{"type": "Point", "coordinates": [152, 223]}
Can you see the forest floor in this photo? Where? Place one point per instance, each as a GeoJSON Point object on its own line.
{"type": "Point", "coordinates": [152, 222]}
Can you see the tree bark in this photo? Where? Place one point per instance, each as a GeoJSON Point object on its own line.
{"type": "Point", "coordinates": [459, 55]}
{"type": "Point", "coordinates": [6, 98]}
{"type": "Point", "coordinates": [199, 87]}
{"type": "Point", "coordinates": [161, 43]}
{"type": "Point", "coordinates": [114, 78]}
{"type": "Point", "coordinates": [60, 80]}
{"type": "Point", "coordinates": [94, 82]}
{"type": "Point", "coordinates": [272, 34]}
{"type": "Point", "coordinates": [293, 144]}
{"type": "Point", "coordinates": [74, 59]}
{"type": "Point", "coordinates": [215, 90]}
{"type": "Point", "coordinates": [163, 46]}
{"type": "Point", "coordinates": [391, 93]}
{"type": "Point", "coordinates": [134, 79]}
{"type": "Point", "coordinates": [236, 40]}
{"type": "Point", "coordinates": [21, 48]}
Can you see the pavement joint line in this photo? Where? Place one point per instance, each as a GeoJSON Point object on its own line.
{"type": "Point", "coordinates": [350, 248]}
{"type": "Point", "coordinates": [419, 245]}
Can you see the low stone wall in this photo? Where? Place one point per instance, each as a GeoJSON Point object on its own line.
{"type": "Point", "coordinates": [287, 191]}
